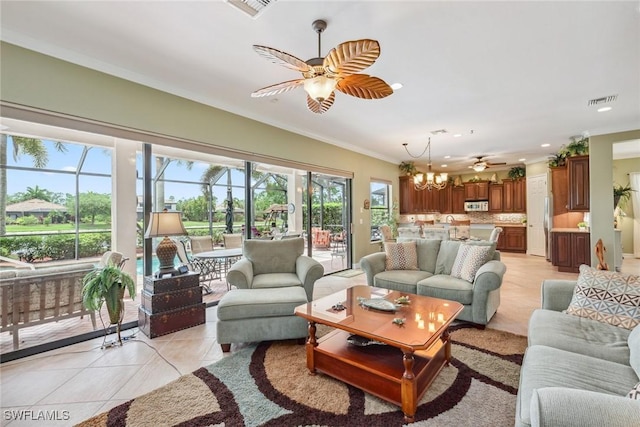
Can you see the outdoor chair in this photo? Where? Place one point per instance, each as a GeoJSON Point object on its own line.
{"type": "Point", "coordinates": [201, 244]}
{"type": "Point", "coordinates": [207, 271]}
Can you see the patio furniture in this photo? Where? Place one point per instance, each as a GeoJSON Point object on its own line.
{"type": "Point", "coordinates": [201, 244]}
{"type": "Point", "coordinates": [207, 270]}
{"type": "Point", "coordinates": [35, 297]}
{"type": "Point", "coordinates": [321, 239]}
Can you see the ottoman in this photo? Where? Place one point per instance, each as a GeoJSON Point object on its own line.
{"type": "Point", "coordinates": [248, 315]}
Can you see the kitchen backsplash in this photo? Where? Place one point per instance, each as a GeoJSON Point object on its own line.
{"type": "Point", "coordinates": [475, 217]}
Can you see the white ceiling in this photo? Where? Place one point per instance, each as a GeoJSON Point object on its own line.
{"type": "Point", "coordinates": [508, 76]}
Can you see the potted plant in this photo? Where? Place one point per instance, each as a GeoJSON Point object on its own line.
{"type": "Point", "coordinates": [582, 225]}
{"type": "Point", "coordinates": [577, 147]}
{"type": "Point", "coordinates": [621, 194]}
{"type": "Point", "coordinates": [408, 168]}
{"type": "Point", "coordinates": [107, 285]}
{"type": "Point", "coordinates": [517, 172]}
{"type": "Point", "coordinates": [557, 159]}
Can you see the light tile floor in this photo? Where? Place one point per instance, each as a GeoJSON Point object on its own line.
{"type": "Point", "coordinates": [84, 380]}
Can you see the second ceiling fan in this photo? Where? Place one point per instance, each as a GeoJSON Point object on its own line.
{"type": "Point", "coordinates": [479, 165]}
{"type": "Point", "coordinates": [322, 75]}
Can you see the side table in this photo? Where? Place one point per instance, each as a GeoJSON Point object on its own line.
{"type": "Point", "coordinates": [170, 304]}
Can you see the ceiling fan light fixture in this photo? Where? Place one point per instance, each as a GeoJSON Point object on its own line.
{"type": "Point", "coordinates": [479, 167]}
{"type": "Point", "coordinates": [320, 88]}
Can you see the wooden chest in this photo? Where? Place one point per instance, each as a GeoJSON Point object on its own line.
{"type": "Point", "coordinates": [171, 304]}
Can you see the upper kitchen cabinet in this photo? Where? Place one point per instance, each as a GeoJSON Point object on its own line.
{"type": "Point", "coordinates": [457, 200]}
{"type": "Point", "coordinates": [495, 198]}
{"type": "Point", "coordinates": [476, 190]}
{"type": "Point", "coordinates": [560, 190]}
{"type": "Point", "coordinates": [405, 203]}
{"type": "Point", "coordinates": [412, 201]}
{"type": "Point", "coordinates": [578, 177]}
{"type": "Point", "coordinates": [514, 195]}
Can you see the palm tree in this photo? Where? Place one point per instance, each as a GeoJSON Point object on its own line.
{"type": "Point", "coordinates": [37, 193]}
{"type": "Point", "coordinates": [21, 145]}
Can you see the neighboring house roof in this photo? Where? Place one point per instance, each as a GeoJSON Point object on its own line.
{"type": "Point", "coordinates": [35, 205]}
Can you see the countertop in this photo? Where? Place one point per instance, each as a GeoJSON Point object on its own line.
{"type": "Point", "coordinates": [568, 230]}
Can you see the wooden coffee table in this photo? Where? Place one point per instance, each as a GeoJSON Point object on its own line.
{"type": "Point", "coordinates": [412, 354]}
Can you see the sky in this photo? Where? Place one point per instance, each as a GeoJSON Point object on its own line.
{"type": "Point", "coordinates": [98, 160]}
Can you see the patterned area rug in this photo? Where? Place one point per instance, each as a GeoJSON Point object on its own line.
{"type": "Point", "coordinates": [268, 385]}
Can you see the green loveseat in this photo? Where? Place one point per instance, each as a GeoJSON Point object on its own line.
{"type": "Point", "coordinates": [480, 298]}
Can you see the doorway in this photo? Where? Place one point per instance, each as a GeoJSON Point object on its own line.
{"type": "Point", "coordinates": [536, 206]}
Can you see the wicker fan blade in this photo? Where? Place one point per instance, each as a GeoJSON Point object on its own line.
{"type": "Point", "coordinates": [282, 58]}
{"type": "Point", "coordinates": [364, 86]}
{"type": "Point", "coordinates": [320, 107]}
{"type": "Point", "coordinates": [351, 57]}
{"type": "Point", "coordinates": [277, 88]}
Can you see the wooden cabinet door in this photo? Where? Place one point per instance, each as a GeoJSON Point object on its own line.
{"type": "Point", "coordinates": [507, 195]}
{"type": "Point", "coordinates": [578, 174]}
{"type": "Point", "coordinates": [520, 195]}
{"type": "Point", "coordinates": [445, 200]}
{"type": "Point", "coordinates": [457, 200]}
{"type": "Point", "coordinates": [581, 249]}
{"type": "Point", "coordinates": [561, 250]}
{"type": "Point", "coordinates": [515, 239]}
{"type": "Point", "coordinates": [433, 200]}
{"type": "Point", "coordinates": [405, 199]}
{"type": "Point", "coordinates": [500, 244]}
{"type": "Point", "coordinates": [495, 198]}
{"type": "Point", "coordinates": [560, 190]}
{"type": "Point", "coordinates": [476, 190]}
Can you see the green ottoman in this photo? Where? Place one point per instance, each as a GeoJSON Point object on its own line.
{"type": "Point", "coordinates": [248, 315]}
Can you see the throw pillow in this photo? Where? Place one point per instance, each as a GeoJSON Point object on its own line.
{"type": "Point", "coordinates": [447, 256]}
{"type": "Point", "coordinates": [469, 260]}
{"type": "Point", "coordinates": [401, 256]}
{"type": "Point", "coordinates": [607, 296]}
{"type": "Point", "coordinates": [635, 392]}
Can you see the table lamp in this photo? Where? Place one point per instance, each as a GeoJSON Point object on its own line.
{"type": "Point", "coordinates": [165, 224]}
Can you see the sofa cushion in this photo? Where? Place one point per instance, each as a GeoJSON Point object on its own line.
{"type": "Point", "coordinates": [446, 287]}
{"type": "Point", "coordinates": [634, 349]}
{"type": "Point", "coordinates": [273, 256]}
{"type": "Point", "coordinates": [400, 280]}
{"type": "Point", "coordinates": [401, 256]}
{"type": "Point", "coordinates": [550, 367]}
{"type": "Point", "coordinates": [607, 296]}
{"type": "Point", "coordinates": [275, 280]}
{"type": "Point", "coordinates": [427, 254]}
{"type": "Point", "coordinates": [446, 256]}
{"type": "Point", "coordinates": [635, 392]}
{"type": "Point", "coordinates": [579, 335]}
{"type": "Point", "coordinates": [258, 303]}
{"type": "Point", "coordinates": [469, 260]}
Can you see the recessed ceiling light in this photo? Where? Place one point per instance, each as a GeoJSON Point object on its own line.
{"type": "Point", "coordinates": [545, 145]}
{"type": "Point", "coordinates": [396, 86]}
{"type": "Point", "coordinates": [603, 109]}
{"type": "Point", "coordinates": [443, 166]}
{"type": "Point", "coordinates": [457, 135]}
{"type": "Point", "coordinates": [522, 160]}
{"type": "Point", "coordinates": [447, 157]}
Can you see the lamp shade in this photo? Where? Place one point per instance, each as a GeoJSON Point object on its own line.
{"type": "Point", "coordinates": [319, 88]}
{"type": "Point", "coordinates": [165, 224]}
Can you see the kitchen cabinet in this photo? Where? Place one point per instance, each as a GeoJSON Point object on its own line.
{"type": "Point", "coordinates": [444, 200]}
{"type": "Point", "coordinates": [495, 198]}
{"type": "Point", "coordinates": [560, 190]}
{"type": "Point", "coordinates": [476, 190]}
{"type": "Point", "coordinates": [457, 200]}
{"type": "Point", "coordinates": [514, 195]}
{"type": "Point", "coordinates": [412, 201]}
{"type": "Point", "coordinates": [578, 177]}
{"type": "Point", "coordinates": [570, 249]}
{"type": "Point", "coordinates": [512, 239]}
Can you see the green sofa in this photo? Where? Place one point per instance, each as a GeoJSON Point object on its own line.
{"type": "Point", "coordinates": [576, 371]}
{"type": "Point", "coordinates": [480, 298]}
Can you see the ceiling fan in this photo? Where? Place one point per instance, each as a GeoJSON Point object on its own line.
{"type": "Point", "coordinates": [479, 165]}
{"type": "Point", "coordinates": [338, 70]}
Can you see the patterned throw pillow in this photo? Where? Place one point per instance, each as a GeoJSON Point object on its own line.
{"type": "Point", "coordinates": [607, 296]}
{"type": "Point", "coordinates": [469, 260]}
{"type": "Point", "coordinates": [401, 256]}
{"type": "Point", "coordinates": [635, 392]}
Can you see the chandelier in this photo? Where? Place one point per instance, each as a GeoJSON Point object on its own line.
{"type": "Point", "coordinates": [429, 180]}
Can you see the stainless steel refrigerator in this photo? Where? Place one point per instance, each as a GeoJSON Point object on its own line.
{"type": "Point", "coordinates": [548, 224]}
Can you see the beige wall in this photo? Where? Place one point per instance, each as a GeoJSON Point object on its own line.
{"type": "Point", "coordinates": [34, 80]}
{"type": "Point", "coordinates": [621, 170]}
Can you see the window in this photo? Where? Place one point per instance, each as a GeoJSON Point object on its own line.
{"type": "Point", "coordinates": [380, 207]}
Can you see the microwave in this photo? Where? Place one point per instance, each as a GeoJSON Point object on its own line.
{"type": "Point", "coordinates": [478, 206]}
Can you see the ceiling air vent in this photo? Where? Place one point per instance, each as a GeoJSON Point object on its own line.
{"type": "Point", "coordinates": [253, 8]}
{"type": "Point", "coordinates": [603, 100]}
{"type": "Point", "coordinates": [439, 132]}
